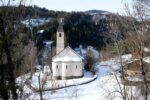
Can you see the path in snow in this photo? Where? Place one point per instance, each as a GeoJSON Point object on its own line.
{"type": "Point", "coordinates": [91, 91]}
{"type": "Point", "coordinates": [105, 87]}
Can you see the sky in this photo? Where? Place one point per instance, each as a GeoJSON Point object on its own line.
{"type": "Point", "coordinates": [115, 6]}
{"type": "Point", "coordinates": [81, 5]}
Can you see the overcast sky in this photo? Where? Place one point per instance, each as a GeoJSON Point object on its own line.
{"type": "Point", "coordinates": [81, 5]}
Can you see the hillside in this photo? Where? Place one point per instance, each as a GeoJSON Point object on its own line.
{"type": "Point", "coordinates": [85, 55]}
{"type": "Point", "coordinates": [93, 27]}
{"type": "Point", "coordinates": [106, 86]}
{"type": "Point", "coordinates": [81, 28]}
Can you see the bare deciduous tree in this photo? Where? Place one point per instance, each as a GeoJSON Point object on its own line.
{"type": "Point", "coordinates": [11, 47]}
{"type": "Point", "coordinates": [135, 38]}
{"type": "Point", "coordinates": [90, 60]}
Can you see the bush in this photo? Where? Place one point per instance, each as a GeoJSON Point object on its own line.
{"type": "Point", "coordinates": [90, 58]}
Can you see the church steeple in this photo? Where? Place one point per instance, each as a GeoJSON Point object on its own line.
{"type": "Point", "coordinates": [60, 37]}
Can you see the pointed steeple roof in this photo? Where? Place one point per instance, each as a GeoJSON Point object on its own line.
{"type": "Point", "coordinates": [60, 27]}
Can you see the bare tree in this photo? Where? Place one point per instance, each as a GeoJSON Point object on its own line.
{"type": "Point", "coordinates": [90, 60]}
{"type": "Point", "coordinates": [11, 47]}
{"type": "Point", "coordinates": [30, 56]}
{"type": "Point", "coordinates": [141, 11]}
{"type": "Point", "coordinates": [135, 37]}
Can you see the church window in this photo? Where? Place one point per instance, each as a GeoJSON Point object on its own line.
{"type": "Point", "coordinates": [76, 66]}
{"type": "Point", "coordinates": [57, 66]}
{"type": "Point", "coordinates": [66, 66]}
{"type": "Point", "coordinates": [59, 34]}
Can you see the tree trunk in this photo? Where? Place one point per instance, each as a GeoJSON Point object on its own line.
{"type": "Point", "coordinates": [9, 72]}
{"type": "Point", "coordinates": [40, 88]}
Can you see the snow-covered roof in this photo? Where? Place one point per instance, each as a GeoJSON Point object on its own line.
{"type": "Point", "coordinates": [67, 55]}
{"type": "Point", "coordinates": [147, 59]}
{"type": "Point", "coordinates": [48, 42]}
{"type": "Point", "coordinates": [146, 49]}
{"type": "Point", "coordinates": [40, 31]}
{"type": "Point", "coordinates": [66, 59]}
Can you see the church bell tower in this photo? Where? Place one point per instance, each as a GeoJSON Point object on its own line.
{"type": "Point", "coordinates": [60, 37]}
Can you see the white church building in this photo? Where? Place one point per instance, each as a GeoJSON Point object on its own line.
{"type": "Point", "coordinates": [66, 63]}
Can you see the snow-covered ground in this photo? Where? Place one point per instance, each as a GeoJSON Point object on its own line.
{"type": "Point", "coordinates": [146, 49]}
{"type": "Point", "coordinates": [55, 84]}
{"type": "Point", "coordinates": [104, 87]}
{"type": "Point", "coordinates": [33, 22]}
{"type": "Point", "coordinates": [147, 59]}
{"type": "Point", "coordinates": [48, 44]}
{"type": "Point", "coordinates": [40, 31]}
{"type": "Point", "coordinates": [114, 63]}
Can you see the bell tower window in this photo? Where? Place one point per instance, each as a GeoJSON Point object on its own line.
{"type": "Point", "coordinates": [59, 34]}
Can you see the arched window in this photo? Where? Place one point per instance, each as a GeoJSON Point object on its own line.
{"type": "Point", "coordinates": [57, 66]}
{"type": "Point", "coordinates": [66, 66]}
{"type": "Point", "coordinates": [76, 66]}
{"type": "Point", "coordinates": [59, 34]}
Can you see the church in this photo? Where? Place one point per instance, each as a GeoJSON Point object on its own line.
{"type": "Point", "coordinates": [66, 64]}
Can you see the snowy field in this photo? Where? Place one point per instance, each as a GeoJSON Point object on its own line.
{"type": "Point", "coordinates": [104, 87]}
{"type": "Point", "coordinates": [56, 84]}
{"type": "Point", "coordinates": [99, 89]}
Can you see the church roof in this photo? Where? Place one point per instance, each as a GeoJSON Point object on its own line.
{"type": "Point", "coordinates": [67, 55]}
{"type": "Point", "coordinates": [60, 28]}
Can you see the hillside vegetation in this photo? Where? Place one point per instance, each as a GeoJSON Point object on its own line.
{"type": "Point", "coordinates": [92, 27]}
{"type": "Point", "coordinates": [80, 27]}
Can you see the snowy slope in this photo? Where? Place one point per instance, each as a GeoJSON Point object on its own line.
{"type": "Point", "coordinates": [100, 89]}
{"type": "Point", "coordinates": [35, 22]}
{"type": "Point", "coordinates": [56, 84]}
{"type": "Point", "coordinates": [105, 87]}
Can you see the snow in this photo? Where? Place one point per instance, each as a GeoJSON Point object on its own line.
{"type": "Point", "coordinates": [38, 67]}
{"type": "Point", "coordinates": [94, 90]}
{"type": "Point", "coordinates": [56, 84]}
{"type": "Point", "coordinates": [102, 70]}
{"type": "Point", "coordinates": [63, 59]}
{"type": "Point", "coordinates": [147, 59]}
{"type": "Point", "coordinates": [83, 52]}
{"type": "Point", "coordinates": [80, 51]}
{"type": "Point", "coordinates": [40, 31]}
{"type": "Point", "coordinates": [146, 49]}
{"type": "Point", "coordinates": [126, 57]}
{"type": "Point", "coordinates": [47, 69]}
{"type": "Point", "coordinates": [33, 22]}
{"type": "Point", "coordinates": [94, 51]}
{"type": "Point", "coordinates": [100, 89]}
{"type": "Point", "coordinates": [104, 87]}
{"type": "Point", "coordinates": [114, 63]}
{"type": "Point", "coordinates": [48, 44]}
{"type": "Point", "coordinates": [136, 79]}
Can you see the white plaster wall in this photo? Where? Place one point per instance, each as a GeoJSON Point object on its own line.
{"type": "Point", "coordinates": [78, 71]}
{"type": "Point", "coordinates": [57, 71]}
{"type": "Point", "coordinates": [71, 69]}
{"type": "Point", "coordinates": [64, 71]}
